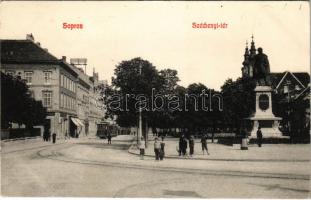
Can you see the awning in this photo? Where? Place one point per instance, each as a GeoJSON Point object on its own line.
{"type": "Point", "coordinates": [80, 122]}
{"type": "Point", "coordinates": [77, 121]}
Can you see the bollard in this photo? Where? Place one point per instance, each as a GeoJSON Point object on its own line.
{"type": "Point", "coordinates": [244, 144]}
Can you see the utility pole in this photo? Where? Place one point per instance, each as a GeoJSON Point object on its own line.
{"type": "Point", "coordinates": [140, 123]}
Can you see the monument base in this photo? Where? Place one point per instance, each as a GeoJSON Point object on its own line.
{"type": "Point", "coordinates": [263, 117]}
{"type": "Point", "coordinates": [269, 127]}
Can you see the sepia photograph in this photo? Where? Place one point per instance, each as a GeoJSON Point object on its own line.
{"type": "Point", "coordinates": [161, 99]}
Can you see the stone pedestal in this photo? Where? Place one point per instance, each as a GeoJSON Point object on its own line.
{"type": "Point", "coordinates": [263, 116]}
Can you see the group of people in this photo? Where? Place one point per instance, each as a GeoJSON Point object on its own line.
{"type": "Point", "coordinates": [47, 136]}
{"type": "Point", "coordinates": [183, 145]}
{"type": "Point", "coordinates": [159, 147]}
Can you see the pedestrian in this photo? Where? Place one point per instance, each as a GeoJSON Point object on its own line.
{"type": "Point", "coordinates": [191, 145]}
{"type": "Point", "coordinates": [204, 144]}
{"type": "Point", "coordinates": [259, 137]}
{"type": "Point", "coordinates": [54, 137]}
{"type": "Point", "coordinates": [109, 138]}
{"type": "Point", "coordinates": [142, 147]}
{"type": "Point", "coordinates": [45, 133]}
{"type": "Point", "coordinates": [157, 148]}
{"type": "Point", "coordinates": [162, 152]}
{"type": "Point", "coordinates": [49, 136]}
{"type": "Point", "coordinates": [180, 145]}
{"type": "Point", "coordinates": [184, 146]}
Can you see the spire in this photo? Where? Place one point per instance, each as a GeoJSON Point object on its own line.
{"type": "Point", "coordinates": [246, 56]}
{"type": "Point", "coordinates": [253, 49]}
{"type": "Point", "coordinates": [246, 49]}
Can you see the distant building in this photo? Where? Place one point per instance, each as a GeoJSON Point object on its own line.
{"type": "Point", "coordinates": [64, 90]}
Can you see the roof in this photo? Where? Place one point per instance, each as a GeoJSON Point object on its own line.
{"type": "Point", "coordinates": [28, 52]}
{"type": "Point", "coordinates": [304, 93]}
{"type": "Point", "coordinates": [24, 51]}
{"type": "Point", "coordinates": [276, 78]}
{"type": "Point", "coordinates": [302, 77]}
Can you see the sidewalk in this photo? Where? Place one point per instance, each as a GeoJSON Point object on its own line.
{"type": "Point", "coordinates": [268, 152]}
{"type": "Point", "coordinates": [37, 142]}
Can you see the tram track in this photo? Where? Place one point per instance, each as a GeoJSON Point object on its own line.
{"type": "Point", "coordinates": [57, 155]}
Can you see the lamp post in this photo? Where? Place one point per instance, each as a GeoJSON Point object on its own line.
{"type": "Point", "coordinates": [288, 83]}
{"type": "Point", "coordinates": [140, 123]}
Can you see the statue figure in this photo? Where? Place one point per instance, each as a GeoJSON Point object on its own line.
{"type": "Point", "coordinates": [261, 68]}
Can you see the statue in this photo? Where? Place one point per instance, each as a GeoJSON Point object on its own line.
{"type": "Point", "coordinates": [261, 68]}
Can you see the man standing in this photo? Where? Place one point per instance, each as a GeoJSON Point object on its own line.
{"type": "Point", "coordinates": [180, 145]}
{"type": "Point", "coordinates": [109, 138]}
{"type": "Point", "coordinates": [54, 137]}
{"type": "Point", "coordinates": [259, 136]}
{"type": "Point", "coordinates": [204, 144]}
{"type": "Point", "coordinates": [184, 145]}
{"type": "Point", "coordinates": [191, 145]}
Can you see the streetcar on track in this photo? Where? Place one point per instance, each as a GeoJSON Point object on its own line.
{"type": "Point", "coordinates": [104, 128]}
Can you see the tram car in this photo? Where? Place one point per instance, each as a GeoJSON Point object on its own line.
{"type": "Point", "coordinates": [104, 128]}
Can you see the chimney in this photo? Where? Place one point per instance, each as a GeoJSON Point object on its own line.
{"type": "Point", "coordinates": [63, 58]}
{"type": "Point", "coordinates": [38, 43]}
{"type": "Point", "coordinates": [30, 37]}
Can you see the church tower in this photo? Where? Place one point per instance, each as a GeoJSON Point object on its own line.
{"type": "Point", "coordinates": [248, 63]}
{"type": "Point", "coordinates": [245, 70]}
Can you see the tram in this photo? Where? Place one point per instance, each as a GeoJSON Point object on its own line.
{"type": "Point", "coordinates": [104, 128]}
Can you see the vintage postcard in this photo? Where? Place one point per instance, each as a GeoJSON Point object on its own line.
{"type": "Point", "coordinates": [173, 99]}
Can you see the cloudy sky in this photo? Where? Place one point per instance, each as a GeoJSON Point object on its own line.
{"type": "Point", "coordinates": [162, 33]}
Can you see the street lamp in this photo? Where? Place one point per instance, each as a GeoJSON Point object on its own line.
{"type": "Point", "coordinates": [140, 123]}
{"type": "Point", "coordinates": [288, 83]}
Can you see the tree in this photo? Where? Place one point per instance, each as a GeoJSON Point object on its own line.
{"type": "Point", "coordinates": [17, 106]}
{"type": "Point", "coordinates": [239, 100]}
{"type": "Point", "coordinates": [135, 77]}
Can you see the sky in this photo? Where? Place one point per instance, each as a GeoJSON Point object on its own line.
{"type": "Point", "coordinates": [162, 33]}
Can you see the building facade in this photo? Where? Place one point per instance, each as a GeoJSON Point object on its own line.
{"type": "Point", "coordinates": [63, 89]}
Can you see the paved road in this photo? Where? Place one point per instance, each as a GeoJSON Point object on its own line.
{"type": "Point", "coordinates": [89, 168]}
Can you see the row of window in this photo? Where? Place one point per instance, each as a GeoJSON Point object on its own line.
{"type": "Point", "coordinates": [67, 83]}
{"type": "Point", "coordinates": [67, 102]}
{"type": "Point", "coordinates": [28, 76]}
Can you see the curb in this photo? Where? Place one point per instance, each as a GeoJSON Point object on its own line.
{"type": "Point", "coordinates": [20, 139]}
{"type": "Point", "coordinates": [218, 159]}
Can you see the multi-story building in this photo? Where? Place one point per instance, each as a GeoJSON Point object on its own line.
{"type": "Point", "coordinates": [64, 90]}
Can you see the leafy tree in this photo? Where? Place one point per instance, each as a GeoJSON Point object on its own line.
{"type": "Point", "coordinates": [239, 100]}
{"type": "Point", "coordinates": [17, 106]}
{"type": "Point", "coordinates": [134, 77]}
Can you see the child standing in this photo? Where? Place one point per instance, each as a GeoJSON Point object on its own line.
{"type": "Point", "coordinates": [157, 148]}
{"type": "Point", "coordinates": [142, 147]}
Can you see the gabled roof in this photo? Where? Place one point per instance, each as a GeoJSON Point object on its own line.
{"type": "Point", "coordinates": [276, 78]}
{"type": "Point", "coordinates": [24, 51]}
{"type": "Point", "coordinates": [303, 78]}
{"type": "Point", "coordinates": [305, 92]}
